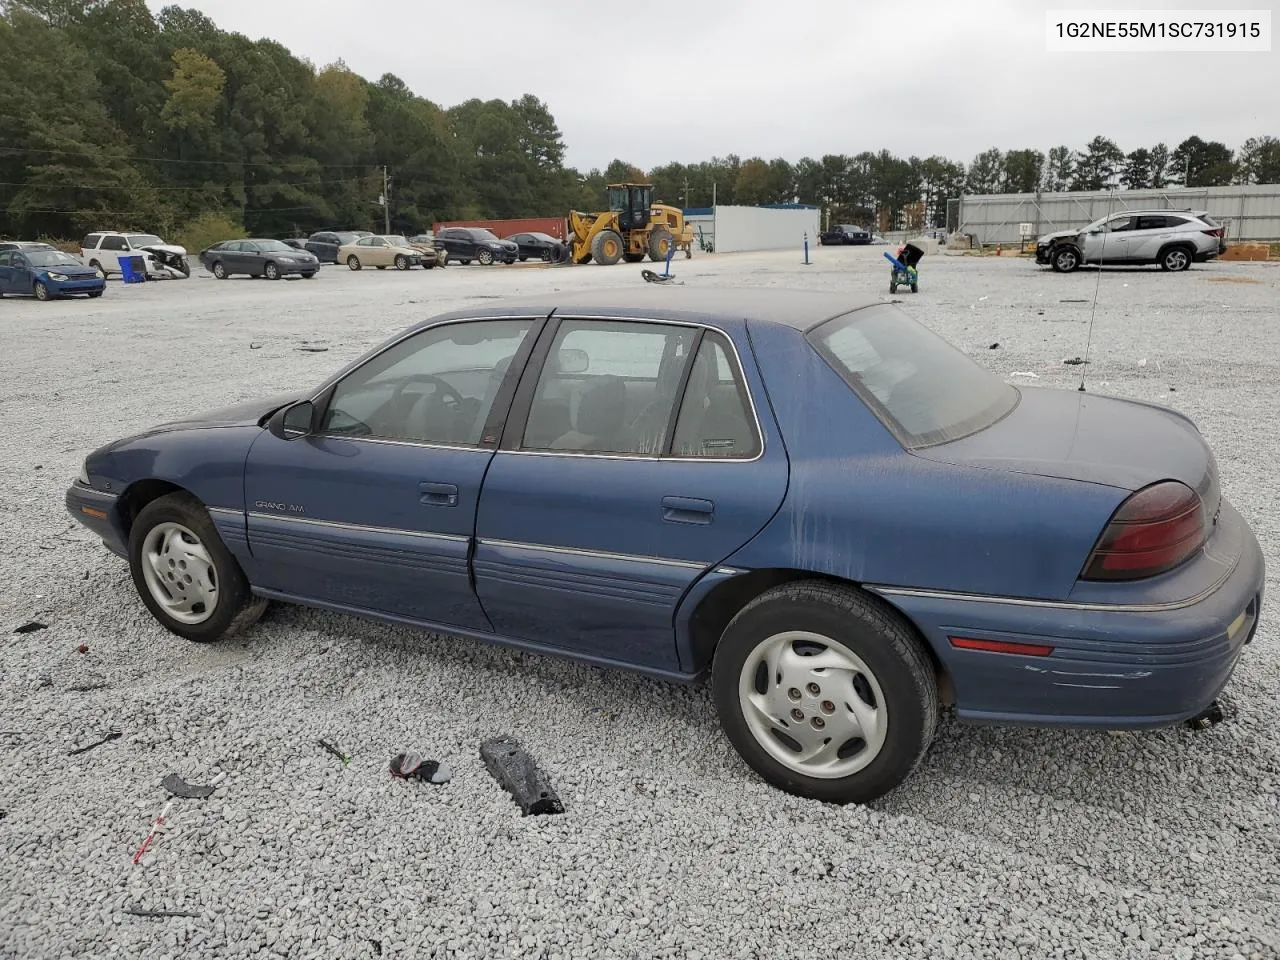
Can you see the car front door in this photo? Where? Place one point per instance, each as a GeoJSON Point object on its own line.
{"type": "Point", "coordinates": [633, 462]}
{"type": "Point", "coordinates": [375, 509]}
{"type": "Point", "coordinates": [1109, 243]}
{"type": "Point", "coordinates": [21, 278]}
{"type": "Point", "coordinates": [6, 272]}
{"type": "Point", "coordinates": [112, 249]}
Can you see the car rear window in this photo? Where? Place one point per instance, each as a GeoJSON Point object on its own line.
{"type": "Point", "coordinates": [1209, 220]}
{"type": "Point", "coordinates": [925, 390]}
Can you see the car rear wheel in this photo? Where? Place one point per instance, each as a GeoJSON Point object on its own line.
{"type": "Point", "coordinates": [95, 293]}
{"type": "Point", "coordinates": [41, 291]}
{"type": "Point", "coordinates": [353, 262]}
{"type": "Point", "coordinates": [825, 692]}
{"type": "Point", "coordinates": [485, 257]}
{"type": "Point", "coordinates": [219, 270]}
{"type": "Point", "coordinates": [184, 573]}
{"type": "Point", "coordinates": [1065, 259]}
{"type": "Point", "coordinates": [271, 272]}
{"type": "Point", "coordinates": [308, 275]}
{"type": "Point", "coordinates": [1175, 258]}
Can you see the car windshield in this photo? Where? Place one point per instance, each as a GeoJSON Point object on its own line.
{"type": "Point", "coordinates": [272, 246]}
{"type": "Point", "coordinates": [144, 240]}
{"type": "Point", "coordinates": [51, 258]}
{"type": "Point", "coordinates": [926, 390]}
{"type": "Point", "coordinates": [482, 234]}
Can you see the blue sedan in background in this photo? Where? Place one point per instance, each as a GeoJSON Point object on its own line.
{"type": "Point", "coordinates": [46, 273]}
{"type": "Point", "coordinates": [843, 520]}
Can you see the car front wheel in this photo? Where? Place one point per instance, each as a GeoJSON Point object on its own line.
{"type": "Point", "coordinates": [41, 291]}
{"type": "Point", "coordinates": [485, 257]}
{"type": "Point", "coordinates": [825, 692]}
{"type": "Point", "coordinates": [271, 271]}
{"type": "Point", "coordinates": [1065, 260]}
{"type": "Point", "coordinates": [184, 573]}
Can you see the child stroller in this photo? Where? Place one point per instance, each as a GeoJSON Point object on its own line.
{"type": "Point", "coordinates": [904, 267]}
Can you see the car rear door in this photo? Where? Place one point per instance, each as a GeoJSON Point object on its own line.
{"type": "Point", "coordinates": [6, 272]}
{"type": "Point", "coordinates": [375, 510]}
{"type": "Point", "coordinates": [1149, 234]}
{"type": "Point", "coordinates": [617, 486]}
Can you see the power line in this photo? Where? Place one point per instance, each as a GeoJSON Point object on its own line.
{"type": "Point", "coordinates": [108, 186]}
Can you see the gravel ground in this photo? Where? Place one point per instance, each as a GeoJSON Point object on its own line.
{"type": "Point", "coordinates": [1005, 843]}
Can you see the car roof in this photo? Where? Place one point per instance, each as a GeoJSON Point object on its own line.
{"type": "Point", "coordinates": [799, 309]}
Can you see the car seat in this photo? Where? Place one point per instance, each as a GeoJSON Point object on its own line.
{"type": "Point", "coordinates": [600, 423]}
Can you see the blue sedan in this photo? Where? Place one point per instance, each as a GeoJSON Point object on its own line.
{"type": "Point", "coordinates": [841, 519]}
{"type": "Point", "coordinates": [46, 273]}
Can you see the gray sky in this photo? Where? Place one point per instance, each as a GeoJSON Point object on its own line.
{"type": "Point", "coordinates": [686, 81]}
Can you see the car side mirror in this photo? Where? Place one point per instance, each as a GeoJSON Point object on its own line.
{"type": "Point", "coordinates": [294, 421]}
{"type": "Point", "coordinates": [573, 361]}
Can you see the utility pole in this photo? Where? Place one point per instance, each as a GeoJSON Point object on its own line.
{"type": "Point", "coordinates": [386, 201]}
{"type": "Point", "coordinates": [686, 193]}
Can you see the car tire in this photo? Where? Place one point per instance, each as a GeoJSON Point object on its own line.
{"type": "Point", "coordinates": [545, 255]}
{"type": "Point", "coordinates": [607, 247]}
{"type": "Point", "coordinates": [41, 291]}
{"type": "Point", "coordinates": [765, 694]}
{"type": "Point", "coordinates": [177, 559]}
{"type": "Point", "coordinates": [308, 275]}
{"type": "Point", "coordinates": [219, 270]}
{"type": "Point", "coordinates": [353, 262]}
{"type": "Point", "coordinates": [1065, 259]}
{"type": "Point", "coordinates": [893, 287]}
{"type": "Point", "coordinates": [523, 259]}
{"type": "Point", "coordinates": [184, 268]}
{"type": "Point", "coordinates": [465, 263]}
{"type": "Point", "coordinates": [485, 257]}
{"type": "Point", "coordinates": [915, 288]}
{"type": "Point", "coordinates": [1175, 259]}
{"type": "Point", "coordinates": [271, 271]}
{"type": "Point", "coordinates": [95, 293]}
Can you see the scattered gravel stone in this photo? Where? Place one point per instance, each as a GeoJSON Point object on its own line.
{"type": "Point", "coordinates": [1006, 843]}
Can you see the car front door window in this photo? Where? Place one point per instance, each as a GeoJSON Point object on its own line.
{"type": "Point", "coordinates": [437, 386]}
{"type": "Point", "coordinates": [608, 387]}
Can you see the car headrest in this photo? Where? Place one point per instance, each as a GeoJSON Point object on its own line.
{"type": "Point", "coordinates": [602, 409]}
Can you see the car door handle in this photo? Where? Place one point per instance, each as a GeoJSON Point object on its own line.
{"type": "Point", "coordinates": [438, 494]}
{"type": "Point", "coordinates": [687, 510]}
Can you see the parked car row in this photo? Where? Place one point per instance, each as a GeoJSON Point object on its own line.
{"type": "Point", "coordinates": [452, 245]}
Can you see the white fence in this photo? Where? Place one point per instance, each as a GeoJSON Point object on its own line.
{"type": "Point", "coordinates": [1249, 212]}
{"type": "Point", "coordinates": [737, 229]}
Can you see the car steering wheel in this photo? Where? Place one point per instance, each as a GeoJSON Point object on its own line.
{"type": "Point", "coordinates": [446, 393]}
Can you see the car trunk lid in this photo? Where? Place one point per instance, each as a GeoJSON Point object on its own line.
{"type": "Point", "coordinates": [1093, 439]}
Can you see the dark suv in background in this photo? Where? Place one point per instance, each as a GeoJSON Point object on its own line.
{"type": "Point", "coordinates": [465, 244]}
{"type": "Point", "coordinates": [325, 243]}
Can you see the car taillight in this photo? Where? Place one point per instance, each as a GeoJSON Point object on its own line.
{"type": "Point", "coordinates": [1154, 530]}
{"type": "Point", "coordinates": [1213, 233]}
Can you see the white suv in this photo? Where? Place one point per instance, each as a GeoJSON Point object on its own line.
{"type": "Point", "coordinates": [1172, 238]}
{"type": "Point", "coordinates": [103, 250]}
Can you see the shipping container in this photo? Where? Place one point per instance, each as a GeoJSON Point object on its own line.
{"type": "Point", "coordinates": [552, 226]}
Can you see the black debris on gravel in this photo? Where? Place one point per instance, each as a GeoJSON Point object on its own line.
{"type": "Point", "coordinates": [520, 776]}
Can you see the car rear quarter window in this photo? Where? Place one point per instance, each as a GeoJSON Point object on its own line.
{"type": "Point", "coordinates": [90, 242]}
{"type": "Point", "coordinates": [923, 389]}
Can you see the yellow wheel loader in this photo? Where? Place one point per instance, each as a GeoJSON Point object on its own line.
{"type": "Point", "coordinates": [632, 228]}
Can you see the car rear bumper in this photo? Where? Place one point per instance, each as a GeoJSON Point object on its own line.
{"type": "Point", "coordinates": [1111, 666]}
{"type": "Point", "coordinates": [98, 511]}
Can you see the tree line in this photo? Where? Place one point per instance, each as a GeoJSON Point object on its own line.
{"type": "Point", "coordinates": [112, 117]}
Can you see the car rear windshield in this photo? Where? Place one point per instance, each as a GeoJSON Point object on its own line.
{"type": "Point", "coordinates": [924, 389]}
